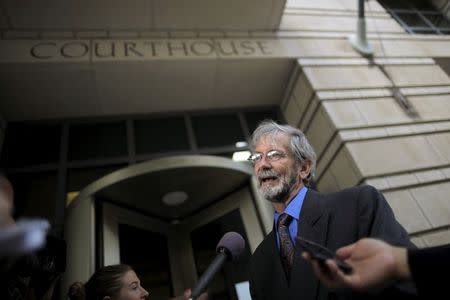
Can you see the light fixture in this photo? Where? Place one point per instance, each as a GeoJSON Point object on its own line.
{"type": "Point", "coordinates": [241, 144]}
{"type": "Point", "coordinates": [241, 155]}
{"type": "Point", "coordinates": [175, 198]}
{"type": "Point", "coordinates": [359, 40]}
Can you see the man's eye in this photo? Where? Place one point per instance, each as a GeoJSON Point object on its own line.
{"type": "Point", "coordinates": [274, 155]}
{"type": "Point", "coordinates": [255, 157]}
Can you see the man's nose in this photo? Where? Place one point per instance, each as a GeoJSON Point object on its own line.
{"type": "Point", "coordinates": [263, 164]}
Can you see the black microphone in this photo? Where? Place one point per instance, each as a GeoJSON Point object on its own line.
{"type": "Point", "coordinates": [229, 247]}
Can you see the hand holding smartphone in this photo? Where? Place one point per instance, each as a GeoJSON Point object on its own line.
{"type": "Point", "coordinates": [321, 254]}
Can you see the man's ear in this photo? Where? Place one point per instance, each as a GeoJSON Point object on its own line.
{"type": "Point", "coordinates": [305, 169]}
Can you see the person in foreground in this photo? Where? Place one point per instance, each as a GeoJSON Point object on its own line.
{"type": "Point", "coordinates": [31, 261]}
{"type": "Point", "coordinates": [115, 282]}
{"type": "Point", "coordinates": [284, 163]}
{"type": "Point", "coordinates": [377, 264]}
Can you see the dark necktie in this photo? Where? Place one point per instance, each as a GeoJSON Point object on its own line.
{"type": "Point", "coordinates": [286, 245]}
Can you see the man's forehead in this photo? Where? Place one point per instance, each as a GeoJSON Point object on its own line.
{"type": "Point", "coordinates": [275, 140]}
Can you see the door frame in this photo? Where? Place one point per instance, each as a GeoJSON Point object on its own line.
{"type": "Point", "coordinates": [181, 256]}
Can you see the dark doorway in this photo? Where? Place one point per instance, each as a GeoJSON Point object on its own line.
{"type": "Point", "coordinates": [204, 242]}
{"type": "Point", "coordinates": [147, 253]}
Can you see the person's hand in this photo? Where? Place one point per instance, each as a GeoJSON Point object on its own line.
{"type": "Point", "coordinates": [187, 295]}
{"type": "Point", "coordinates": [374, 262]}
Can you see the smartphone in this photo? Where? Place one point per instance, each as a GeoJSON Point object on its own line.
{"type": "Point", "coordinates": [321, 254]}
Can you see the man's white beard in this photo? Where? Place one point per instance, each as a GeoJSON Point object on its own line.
{"type": "Point", "coordinates": [280, 192]}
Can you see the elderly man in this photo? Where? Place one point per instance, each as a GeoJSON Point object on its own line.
{"type": "Point", "coordinates": [284, 163]}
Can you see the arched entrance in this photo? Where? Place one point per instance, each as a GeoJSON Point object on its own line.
{"type": "Point", "coordinates": [122, 218]}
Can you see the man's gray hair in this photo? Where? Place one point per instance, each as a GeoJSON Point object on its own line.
{"type": "Point", "coordinates": [299, 144]}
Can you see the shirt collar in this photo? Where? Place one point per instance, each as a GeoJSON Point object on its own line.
{"type": "Point", "coordinates": [295, 206]}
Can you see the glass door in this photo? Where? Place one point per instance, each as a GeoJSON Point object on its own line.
{"type": "Point", "coordinates": [141, 242]}
{"type": "Point", "coordinates": [147, 253]}
{"type": "Point", "coordinates": [204, 241]}
{"type": "Point", "coordinates": [169, 257]}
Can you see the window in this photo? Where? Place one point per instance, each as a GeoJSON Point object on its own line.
{"type": "Point", "coordinates": [32, 157]}
{"type": "Point", "coordinates": [217, 130]}
{"type": "Point", "coordinates": [255, 117]}
{"type": "Point", "coordinates": [98, 140]}
{"type": "Point", "coordinates": [29, 144]}
{"type": "Point", "coordinates": [417, 16]}
{"type": "Point", "coordinates": [160, 135]}
{"type": "Point", "coordinates": [34, 194]}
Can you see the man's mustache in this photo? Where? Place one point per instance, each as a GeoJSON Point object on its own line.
{"type": "Point", "coordinates": [268, 174]}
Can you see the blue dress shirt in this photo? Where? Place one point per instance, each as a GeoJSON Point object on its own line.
{"type": "Point", "coordinates": [293, 209]}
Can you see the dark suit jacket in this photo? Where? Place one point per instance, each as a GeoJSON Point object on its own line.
{"type": "Point", "coordinates": [333, 220]}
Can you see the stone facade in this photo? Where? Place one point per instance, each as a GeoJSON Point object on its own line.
{"type": "Point", "coordinates": [363, 131]}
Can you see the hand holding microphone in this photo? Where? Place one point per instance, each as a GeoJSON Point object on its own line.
{"type": "Point", "coordinates": [229, 247]}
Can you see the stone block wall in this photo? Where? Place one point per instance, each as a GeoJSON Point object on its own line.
{"type": "Point", "coordinates": [362, 131]}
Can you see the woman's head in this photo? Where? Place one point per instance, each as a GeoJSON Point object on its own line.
{"type": "Point", "coordinates": [116, 282]}
{"type": "Point", "coordinates": [6, 201]}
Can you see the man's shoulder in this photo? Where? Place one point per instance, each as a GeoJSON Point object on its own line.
{"type": "Point", "coordinates": [353, 192]}
{"type": "Point", "coordinates": [351, 196]}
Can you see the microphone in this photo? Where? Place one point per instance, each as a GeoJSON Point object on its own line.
{"type": "Point", "coordinates": [229, 247]}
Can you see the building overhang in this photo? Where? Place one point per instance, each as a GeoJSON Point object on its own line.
{"type": "Point", "coordinates": [56, 79]}
{"type": "Point", "coordinates": [142, 15]}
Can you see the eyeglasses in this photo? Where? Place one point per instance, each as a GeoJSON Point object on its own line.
{"type": "Point", "coordinates": [272, 155]}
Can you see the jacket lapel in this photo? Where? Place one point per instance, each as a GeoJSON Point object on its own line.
{"type": "Point", "coordinates": [313, 225]}
{"type": "Point", "coordinates": [273, 260]}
